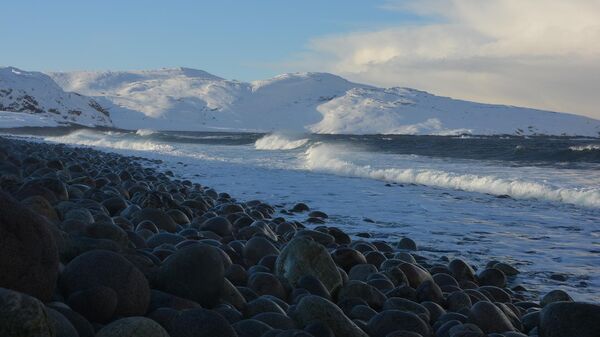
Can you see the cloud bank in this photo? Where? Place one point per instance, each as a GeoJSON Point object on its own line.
{"type": "Point", "coordinates": [535, 53]}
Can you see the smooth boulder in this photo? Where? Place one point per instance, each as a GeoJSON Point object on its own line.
{"type": "Point", "coordinates": [23, 316]}
{"type": "Point", "coordinates": [489, 318]}
{"type": "Point", "coordinates": [303, 256]}
{"type": "Point", "coordinates": [315, 308]}
{"type": "Point", "coordinates": [200, 323]}
{"type": "Point", "coordinates": [386, 322]}
{"type": "Point", "coordinates": [570, 319]}
{"type": "Point", "coordinates": [133, 327]}
{"type": "Point", "coordinates": [98, 268]}
{"type": "Point", "coordinates": [28, 252]}
{"type": "Point", "coordinates": [195, 272]}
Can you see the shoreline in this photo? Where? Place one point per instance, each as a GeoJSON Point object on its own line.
{"type": "Point", "coordinates": [251, 242]}
{"type": "Point", "coordinates": [65, 129]}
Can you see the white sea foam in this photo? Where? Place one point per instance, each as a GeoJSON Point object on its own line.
{"type": "Point", "coordinates": [109, 140]}
{"type": "Point", "coordinates": [144, 132]}
{"type": "Point", "coordinates": [278, 142]}
{"type": "Point", "coordinates": [325, 158]}
{"type": "Point", "coordinates": [589, 147]}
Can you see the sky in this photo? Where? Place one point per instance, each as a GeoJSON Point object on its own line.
{"type": "Point", "coordinates": [536, 53]}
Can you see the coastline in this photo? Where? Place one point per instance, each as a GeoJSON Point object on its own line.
{"type": "Point", "coordinates": [258, 247]}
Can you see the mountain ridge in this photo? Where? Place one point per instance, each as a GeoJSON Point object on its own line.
{"type": "Point", "coordinates": [35, 93]}
{"type": "Point", "coordinates": [188, 99]}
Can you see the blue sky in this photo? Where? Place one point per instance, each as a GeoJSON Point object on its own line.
{"type": "Point", "coordinates": [245, 40]}
{"type": "Point", "coordinates": [536, 53]}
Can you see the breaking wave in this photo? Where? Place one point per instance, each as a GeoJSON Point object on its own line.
{"type": "Point", "coordinates": [590, 147]}
{"type": "Point", "coordinates": [324, 158]}
{"type": "Point", "coordinates": [145, 132]}
{"type": "Point", "coordinates": [109, 140]}
{"type": "Point", "coordinates": [278, 142]}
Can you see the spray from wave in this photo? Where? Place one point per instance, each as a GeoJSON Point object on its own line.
{"type": "Point", "coordinates": [590, 147]}
{"type": "Point", "coordinates": [109, 140]}
{"type": "Point", "coordinates": [324, 158]}
{"type": "Point", "coordinates": [145, 132]}
{"type": "Point", "coordinates": [278, 142]}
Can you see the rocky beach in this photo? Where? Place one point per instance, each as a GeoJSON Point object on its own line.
{"type": "Point", "coordinates": [100, 244]}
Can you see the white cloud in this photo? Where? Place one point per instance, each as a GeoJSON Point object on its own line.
{"type": "Point", "coordinates": [538, 53]}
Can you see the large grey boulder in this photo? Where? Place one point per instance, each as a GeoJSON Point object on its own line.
{"type": "Point", "coordinates": [315, 308]}
{"type": "Point", "coordinates": [303, 256]}
{"type": "Point", "coordinates": [570, 319]}
{"type": "Point", "coordinates": [23, 316]}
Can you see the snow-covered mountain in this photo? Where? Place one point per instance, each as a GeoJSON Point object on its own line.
{"type": "Point", "coordinates": [34, 99]}
{"type": "Point", "coordinates": [189, 99]}
{"type": "Point", "coordinates": [186, 99]}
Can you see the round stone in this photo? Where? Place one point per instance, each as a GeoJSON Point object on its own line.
{"type": "Point", "coordinates": [61, 324]}
{"type": "Point", "coordinates": [461, 271]}
{"type": "Point", "coordinates": [414, 274]}
{"type": "Point", "coordinates": [194, 272]}
{"type": "Point", "coordinates": [364, 291]}
{"type": "Point", "coordinates": [458, 301]}
{"type": "Point", "coordinates": [347, 258]}
{"type": "Point", "coordinates": [251, 328]}
{"type": "Point", "coordinates": [315, 308]}
{"type": "Point", "coordinates": [300, 207]}
{"type": "Point", "coordinates": [492, 277]}
{"type": "Point", "coordinates": [218, 225]}
{"type": "Point", "coordinates": [23, 316]}
{"type": "Point", "coordinates": [267, 284]}
{"type": "Point", "coordinates": [28, 252]}
{"type": "Point", "coordinates": [407, 244]}
{"type": "Point", "coordinates": [133, 327]}
{"type": "Point", "coordinates": [200, 323]}
{"type": "Point", "coordinates": [402, 304]}
{"type": "Point", "coordinates": [489, 318]}
{"type": "Point", "coordinates": [429, 291]}
{"type": "Point", "coordinates": [158, 217]}
{"type": "Point", "coordinates": [569, 319]}
{"type": "Point", "coordinates": [386, 322]}
{"type": "Point", "coordinates": [302, 257]}
{"type": "Point", "coordinates": [555, 296]}
{"type": "Point", "coordinates": [105, 268]}
{"type": "Point", "coordinates": [256, 248]}
{"type": "Point", "coordinates": [97, 304]}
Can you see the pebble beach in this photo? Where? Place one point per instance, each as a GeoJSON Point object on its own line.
{"type": "Point", "coordinates": [100, 244]}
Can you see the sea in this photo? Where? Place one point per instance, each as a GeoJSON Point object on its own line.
{"type": "Point", "coordinates": [533, 202]}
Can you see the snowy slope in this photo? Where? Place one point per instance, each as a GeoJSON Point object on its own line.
{"type": "Point", "coordinates": [182, 99]}
{"type": "Point", "coordinates": [37, 94]}
{"type": "Point", "coordinates": [188, 99]}
{"type": "Point", "coordinates": [409, 111]}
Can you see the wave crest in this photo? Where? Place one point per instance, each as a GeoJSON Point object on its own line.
{"type": "Point", "coordinates": [278, 142]}
{"type": "Point", "coordinates": [589, 147]}
{"type": "Point", "coordinates": [109, 140]}
{"type": "Point", "coordinates": [145, 132]}
{"type": "Point", "coordinates": [323, 158]}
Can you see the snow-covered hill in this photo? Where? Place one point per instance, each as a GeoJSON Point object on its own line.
{"type": "Point", "coordinates": [189, 99]}
{"type": "Point", "coordinates": [34, 99]}
{"type": "Point", "coordinates": [185, 99]}
{"type": "Point", "coordinates": [410, 111]}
